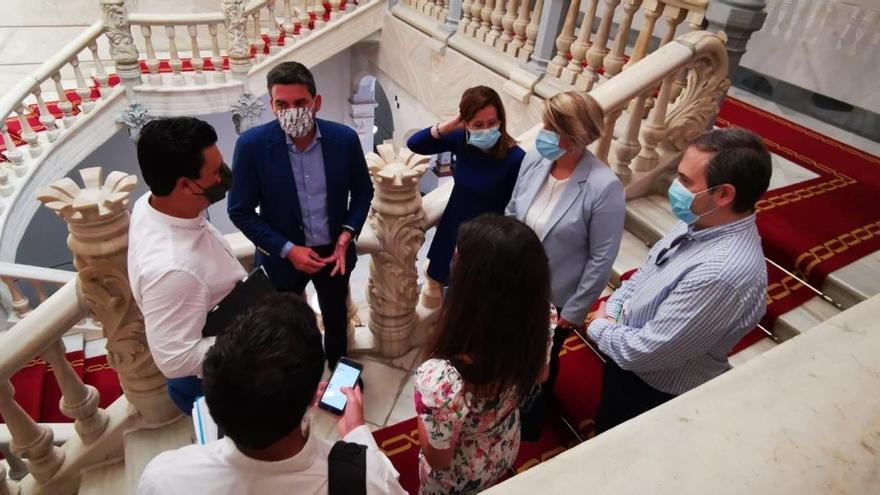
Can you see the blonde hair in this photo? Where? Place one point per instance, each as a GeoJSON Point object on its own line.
{"type": "Point", "coordinates": [575, 116]}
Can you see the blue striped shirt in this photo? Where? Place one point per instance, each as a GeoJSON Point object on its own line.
{"type": "Point", "coordinates": [678, 321]}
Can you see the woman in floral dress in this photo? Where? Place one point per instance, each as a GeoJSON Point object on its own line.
{"type": "Point", "coordinates": [490, 348]}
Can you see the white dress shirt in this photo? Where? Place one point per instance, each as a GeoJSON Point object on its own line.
{"type": "Point", "coordinates": [219, 468]}
{"type": "Point", "coordinates": [545, 202]}
{"type": "Point", "coordinates": [178, 268]}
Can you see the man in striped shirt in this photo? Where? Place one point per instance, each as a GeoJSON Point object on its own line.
{"type": "Point", "coordinates": [670, 327]}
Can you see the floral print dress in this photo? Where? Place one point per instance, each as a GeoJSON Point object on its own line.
{"type": "Point", "coordinates": [485, 432]}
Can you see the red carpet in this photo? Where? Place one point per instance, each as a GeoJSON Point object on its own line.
{"type": "Point", "coordinates": [821, 225]}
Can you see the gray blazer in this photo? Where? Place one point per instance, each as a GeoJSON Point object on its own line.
{"type": "Point", "coordinates": [583, 232]}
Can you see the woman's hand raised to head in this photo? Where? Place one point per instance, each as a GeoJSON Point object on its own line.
{"type": "Point", "coordinates": [452, 124]}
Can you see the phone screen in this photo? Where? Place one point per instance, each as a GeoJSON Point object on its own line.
{"type": "Point", "coordinates": [344, 375]}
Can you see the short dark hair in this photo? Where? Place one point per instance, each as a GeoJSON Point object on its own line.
{"type": "Point", "coordinates": [170, 148]}
{"type": "Point", "coordinates": [261, 374]}
{"type": "Point", "coordinates": [741, 159]}
{"type": "Point", "coordinates": [497, 311]}
{"type": "Point", "coordinates": [291, 73]}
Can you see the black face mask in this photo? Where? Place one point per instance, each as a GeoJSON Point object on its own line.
{"type": "Point", "coordinates": [217, 192]}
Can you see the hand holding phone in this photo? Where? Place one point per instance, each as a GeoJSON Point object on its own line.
{"type": "Point", "coordinates": [346, 375]}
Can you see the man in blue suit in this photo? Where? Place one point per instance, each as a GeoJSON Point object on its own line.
{"type": "Point", "coordinates": [301, 193]}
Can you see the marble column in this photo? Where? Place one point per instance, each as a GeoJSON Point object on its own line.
{"type": "Point", "coordinates": [552, 17]}
{"type": "Point", "coordinates": [453, 16]}
{"type": "Point", "coordinates": [738, 19]}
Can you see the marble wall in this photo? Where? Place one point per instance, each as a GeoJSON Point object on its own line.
{"type": "Point", "coordinates": [831, 47]}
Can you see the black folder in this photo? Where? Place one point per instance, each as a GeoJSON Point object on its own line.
{"type": "Point", "coordinates": [242, 297]}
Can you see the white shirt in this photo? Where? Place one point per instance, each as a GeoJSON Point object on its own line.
{"type": "Point", "coordinates": [178, 268]}
{"type": "Point", "coordinates": [219, 468]}
{"type": "Point", "coordinates": [545, 201]}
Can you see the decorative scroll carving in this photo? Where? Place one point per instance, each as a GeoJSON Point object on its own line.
{"type": "Point", "coordinates": [122, 47]}
{"type": "Point", "coordinates": [246, 112]}
{"type": "Point", "coordinates": [236, 36]}
{"type": "Point", "coordinates": [135, 117]}
{"type": "Point", "coordinates": [97, 217]}
{"type": "Point", "coordinates": [399, 222]}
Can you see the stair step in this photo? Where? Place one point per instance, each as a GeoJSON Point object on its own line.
{"type": "Point", "coordinates": [142, 445]}
{"type": "Point", "coordinates": [103, 480]}
{"type": "Point", "coordinates": [648, 218]}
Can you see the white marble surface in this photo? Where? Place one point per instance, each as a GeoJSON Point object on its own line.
{"type": "Point", "coordinates": [802, 418]}
{"type": "Point", "coordinates": [827, 46]}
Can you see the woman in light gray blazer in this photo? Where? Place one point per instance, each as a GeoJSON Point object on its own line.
{"type": "Point", "coordinates": [575, 204]}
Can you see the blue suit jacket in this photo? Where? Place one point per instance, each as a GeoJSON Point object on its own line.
{"type": "Point", "coordinates": [263, 177]}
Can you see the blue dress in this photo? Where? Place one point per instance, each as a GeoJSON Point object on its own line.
{"type": "Point", "coordinates": [482, 185]}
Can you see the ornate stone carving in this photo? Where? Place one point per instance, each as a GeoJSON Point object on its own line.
{"type": "Point", "coordinates": [134, 116]}
{"type": "Point", "coordinates": [399, 222]}
{"type": "Point", "coordinates": [707, 83]}
{"type": "Point", "coordinates": [237, 45]}
{"type": "Point", "coordinates": [122, 47]}
{"type": "Point", "coordinates": [97, 217]}
{"type": "Point", "coordinates": [246, 112]}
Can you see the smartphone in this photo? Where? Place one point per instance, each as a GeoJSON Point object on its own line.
{"type": "Point", "coordinates": [346, 374]}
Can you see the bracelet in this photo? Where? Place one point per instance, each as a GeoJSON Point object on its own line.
{"type": "Point", "coordinates": [435, 131]}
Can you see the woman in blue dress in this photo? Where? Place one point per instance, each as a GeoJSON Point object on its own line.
{"type": "Point", "coordinates": [486, 168]}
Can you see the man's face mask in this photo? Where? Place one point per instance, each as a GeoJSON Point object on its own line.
{"type": "Point", "coordinates": [297, 122]}
{"type": "Point", "coordinates": [217, 192]}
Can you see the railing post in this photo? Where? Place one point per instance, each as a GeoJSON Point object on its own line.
{"type": "Point", "coordinates": [552, 16]}
{"type": "Point", "coordinates": [399, 221]}
{"type": "Point", "coordinates": [122, 47]}
{"type": "Point", "coordinates": [738, 19]}
{"type": "Point", "coordinates": [454, 15]}
{"type": "Point", "coordinates": [97, 218]}
{"type": "Point", "coordinates": [78, 401]}
{"type": "Point", "coordinates": [236, 38]}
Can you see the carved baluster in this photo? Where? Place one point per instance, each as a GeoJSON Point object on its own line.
{"type": "Point", "coordinates": [507, 22]}
{"type": "Point", "coordinates": [579, 47]}
{"type": "Point", "coordinates": [41, 290]}
{"type": "Point", "coordinates": [304, 20]}
{"type": "Point", "coordinates": [154, 77]}
{"type": "Point", "coordinates": [46, 118]}
{"type": "Point", "coordinates": [654, 131]}
{"type": "Point", "coordinates": [29, 440]}
{"type": "Point", "coordinates": [626, 148]}
{"type": "Point", "coordinates": [599, 48]}
{"type": "Point", "coordinates": [466, 16]}
{"type": "Point", "coordinates": [27, 132]}
{"type": "Point", "coordinates": [495, 17]}
{"type": "Point", "coordinates": [216, 58]}
{"type": "Point", "coordinates": [6, 187]}
{"type": "Point", "coordinates": [608, 135]}
{"type": "Point", "coordinates": [674, 16]}
{"type": "Point", "coordinates": [236, 38]}
{"type": "Point", "coordinates": [398, 219]}
{"type": "Point", "coordinates": [519, 29]}
{"type": "Point", "coordinates": [197, 62]}
{"type": "Point", "coordinates": [174, 61]}
{"type": "Point", "coordinates": [443, 12]}
{"type": "Point", "coordinates": [20, 302]}
{"type": "Point", "coordinates": [319, 11]}
{"type": "Point", "coordinates": [485, 20]}
{"type": "Point", "coordinates": [64, 103]}
{"type": "Point", "coordinates": [652, 13]}
{"type": "Point", "coordinates": [257, 42]}
{"type": "Point", "coordinates": [82, 89]}
{"type": "Point", "coordinates": [12, 152]}
{"type": "Point", "coordinates": [614, 61]}
{"type": "Point", "coordinates": [7, 487]}
{"type": "Point", "coordinates": [476, 17]}
{"type": "Point", "coordinates": [78, 401]}
{"type": "Point", "coordinates": [288, 27]}
{"type": "Point", "coordinates": [564, 40]}
{"type": "Point", "coordinates": [101, 76]}
{"type": "Point", "coordinates": [98, 219]}
{"type": "Point", "coordinates": [334, 10]}
{"type": "Point", "coordinates": [531, 32]}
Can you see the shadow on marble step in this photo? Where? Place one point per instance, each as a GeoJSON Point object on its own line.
{"type": "Point", "coordinates": [104, 480]}
{"type": "Point", "coordinates": [142, 445]}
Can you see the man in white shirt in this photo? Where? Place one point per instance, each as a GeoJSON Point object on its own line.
{"type": "Point", "coordinates": [260, 379]}
{"type": "Point", "coordinates": [179, 265]}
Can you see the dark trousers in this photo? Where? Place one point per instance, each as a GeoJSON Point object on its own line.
{"type": "Point", "coordinates": [184, 392]}
{"type": "Point", "coordinates": [534, 415]}
{"type": "Point", "coordinates": [332, 295]}
{"type": "Point", "coordinates": [624, 396]}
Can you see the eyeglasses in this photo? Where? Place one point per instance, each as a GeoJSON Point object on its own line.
{"type": "Point", "coordinates": [662, 255]}
{"type": "Point", "coordinates": [479, 126]}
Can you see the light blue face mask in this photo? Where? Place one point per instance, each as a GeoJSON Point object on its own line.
{"type": "Point", "coordinates": [484, 139]}
{"type": "Point", "coordinates": [681, 201]}
{"type": "Point", "coordinates": [547, 144]}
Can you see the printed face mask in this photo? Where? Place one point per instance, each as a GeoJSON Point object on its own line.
{"type": "Point", "coordinates": [297, 122]}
